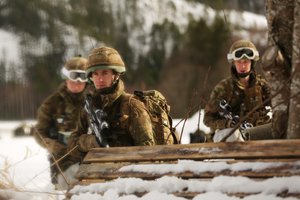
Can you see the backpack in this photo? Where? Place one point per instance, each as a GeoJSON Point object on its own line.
{"type": "Point", "coordinates": [159, 112]}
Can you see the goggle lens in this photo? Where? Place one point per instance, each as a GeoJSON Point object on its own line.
{"type": "Point", "coordinates": [81, 76]}
{"type": "Point", "coordinates": [247, 52]}
{"type": "Point", "coordinates": [74, 75]}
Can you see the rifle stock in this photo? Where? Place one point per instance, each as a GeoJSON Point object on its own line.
{"type": "Point", "coordinates": [97, 122]}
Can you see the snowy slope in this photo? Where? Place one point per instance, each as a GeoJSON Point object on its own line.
{"type": "Point", "coordinates": [139, 19]}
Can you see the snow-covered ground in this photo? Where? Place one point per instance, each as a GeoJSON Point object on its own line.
{"type": "Point", "coordinates": [24, 164]}
{"type": "Point", "coordinates": [25, 168]}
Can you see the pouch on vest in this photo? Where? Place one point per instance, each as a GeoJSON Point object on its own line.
{"type": "Point", "coordinates": [253, 97]}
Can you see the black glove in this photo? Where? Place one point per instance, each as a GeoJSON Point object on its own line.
{"type": "Point", "coordinates": [224, 109]}
{"type": "Point", "coordinates": [232, 122]}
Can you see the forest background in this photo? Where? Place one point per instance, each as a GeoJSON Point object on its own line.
{"type": "Point", "coordinates": [176, 46]}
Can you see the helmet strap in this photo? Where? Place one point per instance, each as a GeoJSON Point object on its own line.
{"type": "Point", "coordinates": [244, 75]}
{"type": "Point", "coordinates": [111, 89]}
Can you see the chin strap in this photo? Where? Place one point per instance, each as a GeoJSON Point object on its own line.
{"type": "Point", "coordinates": [243, 75]}
{"type": "Point", "coordinates": [110, 89]}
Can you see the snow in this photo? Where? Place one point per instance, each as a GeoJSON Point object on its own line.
{"type": "Point", "coordinates": [267, 188]}
{"type": "Point", "coordinates": [190, 126]}
{"type": "Point", "coordinates": [24, 163]}
{"type": "Point", "coordinates": [23, 166]}
{"type": "Point", "coordinates": [246, 19]}
{"type": "Point", "coordinates": [9, 53]}
{"type": "Point", "coordinates": [7, 127]}
{"type": "Point", "coordinates": [9, 45]}
{"type": "Point", "coordinates": [178, 12]}
{"type": "Point", "coordinates": [198, 167]}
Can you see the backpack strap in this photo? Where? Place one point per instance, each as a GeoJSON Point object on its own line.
{"type": "Point", "coordinates": [173, 130]}
{"type": "Point", "coordinates": [124, 98]}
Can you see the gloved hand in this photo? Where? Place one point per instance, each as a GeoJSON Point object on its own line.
{"type": "Point", "coordinates": [232, 122]}
{"type": "Point", "coordinates": [87, 142]}
{"type": "Point", "coordinates": [53, 146]}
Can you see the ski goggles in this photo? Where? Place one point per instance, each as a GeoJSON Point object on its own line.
{"type": "Point", "coordinates": [75, 75]}
{"type": "Point", "coordinates": [242, 52]}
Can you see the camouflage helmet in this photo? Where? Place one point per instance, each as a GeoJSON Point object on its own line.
{"type": "Point", "coordinates": [74, 69]}
{"type": "Point", "coordinates": [76, 63]}
{"type": "Point", "coordinates": [105, 58]}
{"type": "Point", "coordinates": [242, 49]}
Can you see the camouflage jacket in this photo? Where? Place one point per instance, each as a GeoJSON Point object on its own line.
{"type": "Point", "coordinates": [56, 119]}
{"type": "Point", "coordinates": [241, 101]}
{"type": "Point", "coordinates": [129, 121]}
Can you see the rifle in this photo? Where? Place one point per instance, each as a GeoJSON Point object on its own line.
{"type": "Point", "coordinates": [225, 111]}
{"type": "Point", "coordinates": [97, 121]}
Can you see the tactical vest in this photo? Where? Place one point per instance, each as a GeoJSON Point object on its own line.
{"type": "Point", "coordinates": [243, 101]}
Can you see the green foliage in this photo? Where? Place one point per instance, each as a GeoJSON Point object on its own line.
{"type": "Point", "coordinates": [165, 38]}
{"type": "Point", "coordinates": [206, 42]}
{"type": "Point", "coordinates": [2, 74]}
{"type": "Point", "coordinates": [21, 16]}
{"type": "Point", "coordinates": [185, 73]}
{"type": "Point", "coordinates": [44, 25]}
{"type": "Point", "coordinates": [91, 19]}
{"type": "Point", "coordinates": [39, 19]}
{"type": "Point", "coordinates": [44, 75]}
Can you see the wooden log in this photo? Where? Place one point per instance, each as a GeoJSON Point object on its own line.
{"type": "Point", "coordinates": [280, 158]}
{"type": "Point", "coordinates": [235, 150]}
{"type": "Point", "coordinates": [109, 171]}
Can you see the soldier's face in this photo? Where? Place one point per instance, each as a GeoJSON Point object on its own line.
{"type": "Point", "coordinates": [242, 66]}
{"type": "Point", "coordinates": [103, 78]}
{"type": "Point", "coordinates": [75, 86]}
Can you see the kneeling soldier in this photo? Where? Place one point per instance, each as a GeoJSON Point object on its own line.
{"type": "Point", "coordinates": [125, 121]}
{"type": "Point", "coordinates": [239, 94]}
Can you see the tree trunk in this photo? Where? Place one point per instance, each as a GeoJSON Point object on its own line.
{"type": "Point", "coordinates": [276, 61]}
{"type": "Point", "coordinates": [294, 110]}
{"type": "Point", "coordinates": [277, 75]}
{"type": "Point", "coordinates": [281, 65]}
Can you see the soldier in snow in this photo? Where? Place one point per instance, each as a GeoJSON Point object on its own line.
{"type": "Point", "coordinates": [128, 119]}
{"type": "Point", "coordinates": [234, 97]}
{"type": "Point", "coordinates": [58, 114]}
